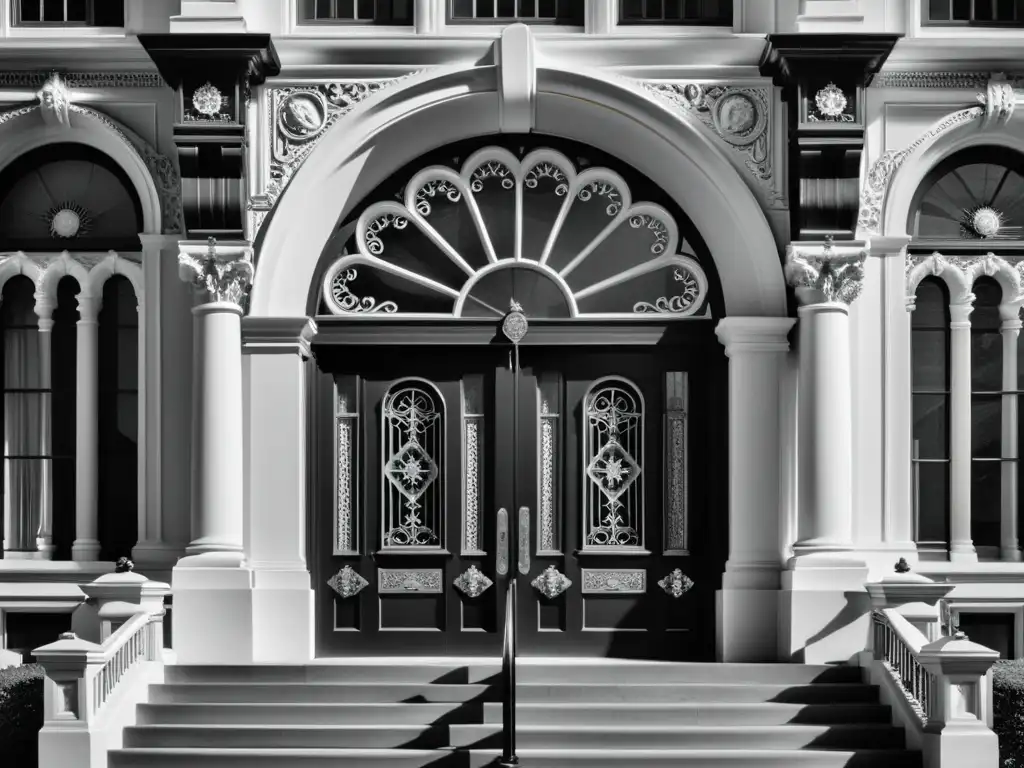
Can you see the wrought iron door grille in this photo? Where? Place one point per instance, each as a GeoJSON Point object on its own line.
{"type": "Point", "coordinates": [383, 12]}
{"type": "Point", "coordinates": [712, 13]}
{"type": "Point", "coordinates": [993, 13]}
{"type": "Point", "coordinates": [68, 13]}
{"type": "Point", "coordinates": [568, 12]}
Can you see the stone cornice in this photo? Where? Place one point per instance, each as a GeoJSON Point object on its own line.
{"type": "Point", "coordinates": [278, 335]}
{"type": "Point", "coordinates": [34, 79]}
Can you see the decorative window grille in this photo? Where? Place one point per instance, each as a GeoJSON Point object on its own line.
{"type": "Point", "coordinates": [1000, 13]}
{"type": "Point", "coordinates": [716, 13]}
{"type": "Point", "coordinates": [346, 423]}
{"type": "Point", "coordinates": [568, 12]}
{"type": "Point", "coordinates": [385, 12]}
{"type": "Point", "coordinates": [930, 395]}
{"type": "Point", "coordinates": [412, 482]}
{"type": "Point", "coordinates": [68, 13]}
{"type": "Point", "coordinates": [676, 469]}
{"type": "Point", "coordinates": [613, 456]}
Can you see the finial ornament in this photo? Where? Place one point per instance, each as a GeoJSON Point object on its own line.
{"type": "Point", "coordinates": [54, 101]}
{"type": "Point", "coordinates": [515, 324]}
{"type": "Point", "coordinates": [902, 566]}
{"type": "Point", "coordinates": [826, 272]}
{"type": "Point", "coordinates": [225, 279]}
{"type": "Point", "coordinates": [124, 565]}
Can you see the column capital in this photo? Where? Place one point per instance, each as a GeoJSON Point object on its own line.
{"type": "Point", "coordinates": [824, 273]}
{"type": "Point", "coordinates": [222, 270]}
{"type": "Point", "coordinates": [745, 335]}
{"type": "Point", "coordinates": [88, 308]}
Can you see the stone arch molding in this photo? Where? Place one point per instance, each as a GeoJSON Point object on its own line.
{"type": "Point", "coordinates": [959, 274]}
{"type": "Point", "coordinates": [90, 271]}
{"type": "Point", "coordinates": [55, 119]}
{"type": "Point", "coordinates": [888, 189]}
{"type": "Point", "coordinates": [395, 125]}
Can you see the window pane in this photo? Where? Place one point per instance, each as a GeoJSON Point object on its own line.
{"type": "Point", "coordinates": [23, 419]}
{"type": "Point", "coordinates": [77, 11]}
{"type": "Point", "coordinates": [961, 10]}
{"type": "Point", "coordinates": [53, 10]}
{"type": "Point", "coordinates": [986, 361]}
{"type": "Point", "coordinates": [930, 426]}
{"type": "Point", "coordinates": [128, 358]}
{"type": "Point", "coordinates": [938, 10]}
{"type": "Point", "coordinates": [931, 305]}
{"type": "Point", "coordinates": [986, 426]}
{"type": "Point", "coordinates": [985, 502]}
{"type": "Point", "coordinates": [30, 10]}
{"type": "Point", "coordinates": [931, 498]}
{"type": "Point", "coordinates": [929, 349]}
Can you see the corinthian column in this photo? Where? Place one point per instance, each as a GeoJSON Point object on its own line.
{"type": "Point", "coordinates": [212, 588]}
{"type": "Point", "coordinates": [87, 544]}
{"type": "Point", "coordinates": [222, 274]}
{"type": "Point", "coordinates": [827, 280]}
{"type": "Point", "coordinates": [44, 535]}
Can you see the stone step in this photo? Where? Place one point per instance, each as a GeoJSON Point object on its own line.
{"type": "Point", "coordinates": [576, 758]}
{"type": "Point", "coordinates": [606, 714]}
{"type": "Point", "coordinates": [309, 714]}
{"type": "Point", "coordinates": [322, 693]}
{"type": "Point", "coordinates": [288, 736]}
{"type": "Point", "coordinates": [629, 736]}
{"type": "Point", "coordinates": [339, 693]}
{"type": "Point", "coordinates": [547, 673]}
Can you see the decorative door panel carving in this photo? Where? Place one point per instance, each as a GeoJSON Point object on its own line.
{"type": "Point", "coordinates": [451, 473]}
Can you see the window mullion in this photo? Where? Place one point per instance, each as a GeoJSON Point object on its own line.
{"type": "Point", "coordinates": [961, 546]}
{"type": "Point", "coordinates": [1010, 330]}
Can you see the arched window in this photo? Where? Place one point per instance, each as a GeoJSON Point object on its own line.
{"type": "Point", "coordinates": [562, 231]}
{"type": "Point", "coordinates": [974, 194]}
{"type": "Point", "coordinates": [63, 359]}
{"type": "Point", "coordinates": [118, 419]}
{"type": "Point", "coordinates": [930, 394]}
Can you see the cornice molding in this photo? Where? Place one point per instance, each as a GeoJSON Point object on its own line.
{"type": "Point", "coordinates": [938, 80]}
{"type": "Point", "coordinates": [788, 58]}
{"type": "Point", "coordinates": [278, 335]}
{"type": "Point", "coordinates": [178, 55]}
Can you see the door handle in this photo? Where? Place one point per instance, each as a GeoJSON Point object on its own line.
{"type": "Point", "coordinates": [501, 556]}
{"type": "Point", "coordinates": [524, 540]}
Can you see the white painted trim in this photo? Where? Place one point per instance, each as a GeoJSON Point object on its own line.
{"type": "Point", "coordinates": [451, 103]}
{"type": "Point", "coordinates": [27, 131]}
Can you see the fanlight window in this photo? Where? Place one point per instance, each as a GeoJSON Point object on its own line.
{"type": "Point", "coordinates": [560, 242]}
{"type": "Point", "coordinates": [613, 444]}
{"type": "Point", "coordinates": [976, 194]}
{"type": "Point", "coordinates": [413, 477]}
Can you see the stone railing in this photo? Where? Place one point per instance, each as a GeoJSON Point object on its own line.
{"type": "Point", "coordinates": [92, 685]}
{"type": "Point", "coordinates": [937, 686]}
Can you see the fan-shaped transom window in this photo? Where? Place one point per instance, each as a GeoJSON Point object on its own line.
{"type": "Point", "coordinates": [559, 238]}
{"type": "Point", "coordinates": [68, 197]}
{"type": "Point", "coordinates": [975, 194]}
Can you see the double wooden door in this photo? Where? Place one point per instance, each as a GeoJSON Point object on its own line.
{"type": "Point", "coordinates": [588, 474]}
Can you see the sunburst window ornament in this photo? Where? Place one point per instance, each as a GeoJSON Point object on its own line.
{"type": "Point", "coordinates": [981, 221]}
{"type": "Point", "coordinates": [830, 101]}
{"type": "Point", "coordinates": [68, 219]}
{"type": "Point", "coordinates": [208, 100]}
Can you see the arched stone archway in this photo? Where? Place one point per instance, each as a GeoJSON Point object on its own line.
{"type": "Point", "coordinates": [444, 106]}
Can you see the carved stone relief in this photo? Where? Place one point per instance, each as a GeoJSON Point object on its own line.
{"type": "Point", "coordinates": [739, 115]}
{"type": "Point", "coordinates": [35, 79]}
{"type": "Point", "coordinates": [832, 275]}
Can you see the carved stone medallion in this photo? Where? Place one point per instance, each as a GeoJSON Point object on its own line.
{"type": "Point", "coordinates": [473, 582]}
{"type": "Point", "coordinates": [676, 583]}
{"type": "Point", "coordinates": [347, 582]}
{"type": "Point", "coordinates": [551, 583]}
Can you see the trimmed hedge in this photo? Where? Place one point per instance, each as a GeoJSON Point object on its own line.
{"type": "Point", "coordinates": [1008, 711]}
{"type": "Point", "coordinates": [21, 715]}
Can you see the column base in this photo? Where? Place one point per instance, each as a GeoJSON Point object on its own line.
{"type": "Point", "coordinates": [282, 617]}
{"type": "Point", "coordinates": [1010, 555]}
{"type": "Point", "coordinates": [24, 554]}
{"type": "Point", "coordinates": [212, 559]}
{"type": "Point", "coordinates": [824, 610]}
{"type": "Point", "coordinates": [85, 549]}
{"type": "Point", "coordinates": [156, 555]}
{"type": "Point", "coordinates": [212, 614]}
{"type": "Point", "coordinates": [963, 553]}
{"type": "Point", "coordinates": [747, 625]}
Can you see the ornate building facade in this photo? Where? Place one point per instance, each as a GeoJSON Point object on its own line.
{"type": "Point", "coordinates": [693, 316]}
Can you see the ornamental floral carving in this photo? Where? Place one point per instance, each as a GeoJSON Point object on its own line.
{"type": "Point", "coordinates": [737, 115]}
{"type": "Point", "coordinates": [676, 584]}
{"type": "Point", "coordinates": [347, 583]}
{"type": "Point", "coordinates": [960, 272]}
{"type": "Point", "coordinates": [54, 101]}
{"type": "Point", "coordinates": [551, 583]}
{"type": "Point", "coordinates": [836, 277]}
{"type": "Point", "coordinates": [223, 280]}
{"type": "Point", "coordinates": [473, 582]}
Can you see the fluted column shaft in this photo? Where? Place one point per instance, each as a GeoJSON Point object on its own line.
{"type": "Point", "coordinates": [87, 545]}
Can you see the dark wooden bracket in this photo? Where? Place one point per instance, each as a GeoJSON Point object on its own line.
{"type": "Point", "coordinates": [212, 75]}
{"type": "Point", "coordinates": [823, 79]}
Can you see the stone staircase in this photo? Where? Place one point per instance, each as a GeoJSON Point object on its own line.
{"type": "Point", "coordinates": [614, 715]}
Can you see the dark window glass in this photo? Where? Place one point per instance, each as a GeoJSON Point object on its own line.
{"type": "Point", "coordinates": [992, 630]}
{"type": "Point", "coordinates": [709, 12]}
{"type": "Point", "coordinates": [568, 12]}
{"type": "Point", "coordinates": [986, 339]}
{"type": "Point", "coordinates": [118, 419]}
{"type": "Point", "coordinates": [386, 12]}
{"type": "Point", "coordinates": [982, 12]}
{"type": "Point", "coordinates": [930, 402]}
{"type": "Point", "coordinates": [64, 377]}
{"type": "Point", "coordinates": [90, 13]}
